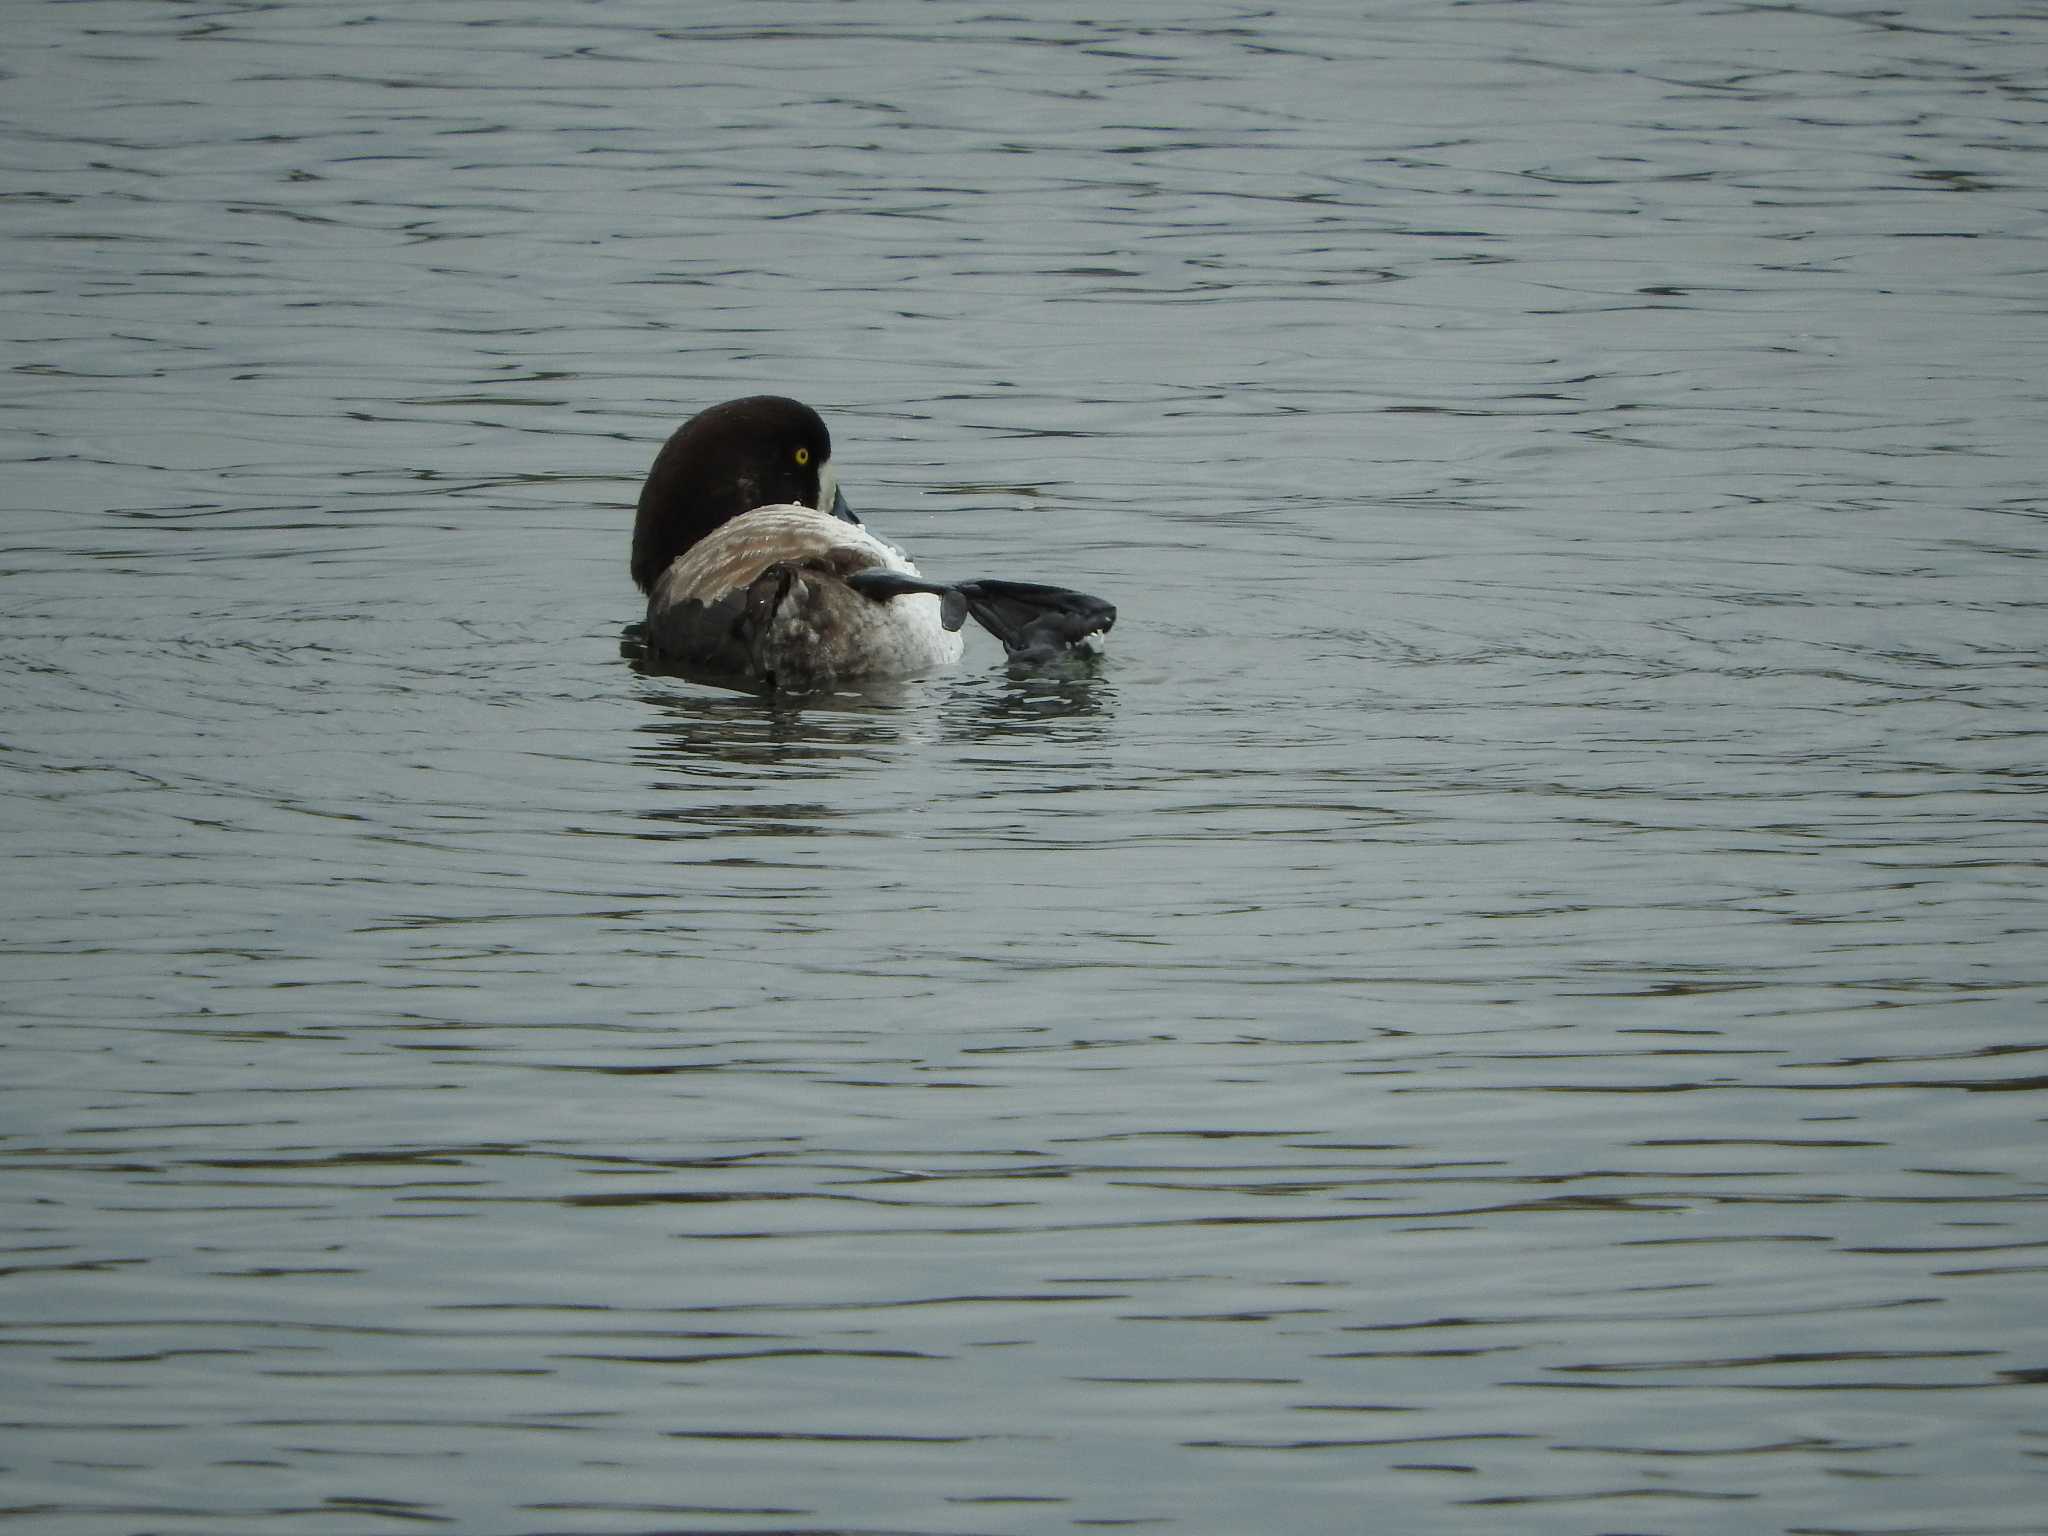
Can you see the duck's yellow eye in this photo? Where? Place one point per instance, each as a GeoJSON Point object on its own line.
{"type": "Point", "coordinates": [803, 456]}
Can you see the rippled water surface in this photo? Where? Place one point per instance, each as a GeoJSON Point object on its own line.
{"type": "Point", "coordinates": [1513, 1000]}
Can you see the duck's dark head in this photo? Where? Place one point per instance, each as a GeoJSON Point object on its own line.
{"type": "Point", "coordinates": [763, 451]}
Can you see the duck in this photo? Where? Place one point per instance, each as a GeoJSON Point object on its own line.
{"type": "Point", "coordinates": [759, 575]}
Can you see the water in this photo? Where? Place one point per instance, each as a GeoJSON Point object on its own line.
{"type": "Point", "coordinates": [1513, 1001]}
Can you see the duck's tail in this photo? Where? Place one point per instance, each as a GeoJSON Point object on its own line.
{"type": "Point", "coordinates": [1035, 623]}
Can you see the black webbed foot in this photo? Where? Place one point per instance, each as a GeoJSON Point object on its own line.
{"type": "Point", "coordinates": [1036, 623]}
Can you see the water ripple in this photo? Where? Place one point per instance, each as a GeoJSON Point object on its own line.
{"type": "Point", "coordinates": [1513, 992]}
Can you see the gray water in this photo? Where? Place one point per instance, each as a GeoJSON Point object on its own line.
{"type": "Point", "coordinates": [1512, 1000]}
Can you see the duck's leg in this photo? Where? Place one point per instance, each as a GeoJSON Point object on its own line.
{"type": "Point", "coordinates": [1034, 622]}
{"type": "Point", "coordinates": [881, 585]}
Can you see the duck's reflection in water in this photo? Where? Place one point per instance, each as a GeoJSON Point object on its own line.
{"type": "Point", "coordinates": [728, 759]}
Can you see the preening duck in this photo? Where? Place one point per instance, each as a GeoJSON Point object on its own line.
{"type": "Point", "coordinates": [758, 574]}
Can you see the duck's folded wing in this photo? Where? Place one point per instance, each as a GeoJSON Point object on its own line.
{"type": "Point", "coordinates": [713, 638]}
{"type": "Point", "coordinates": [709, 607]}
